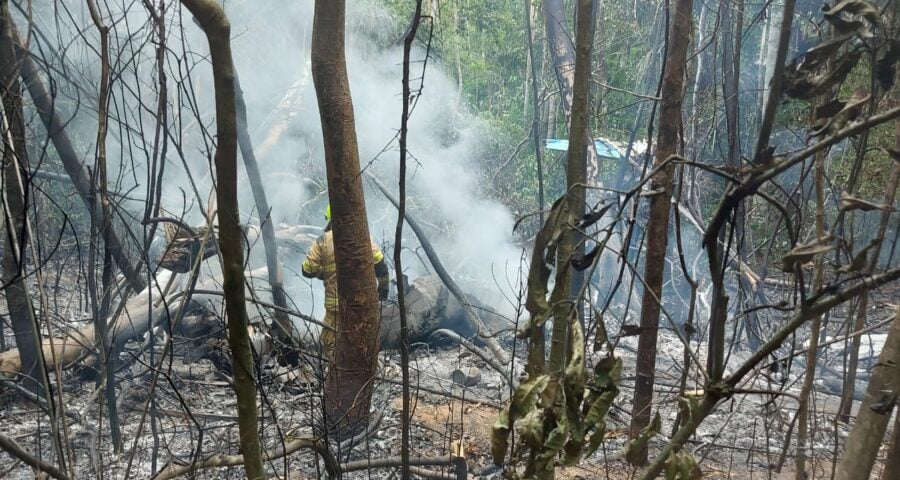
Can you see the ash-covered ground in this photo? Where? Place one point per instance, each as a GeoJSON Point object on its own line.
{"type": "Point", "coordinates": [456, 400]}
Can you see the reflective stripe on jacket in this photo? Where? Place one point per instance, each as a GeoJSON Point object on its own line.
{"type": "Point", "coordinates": [320, 264]}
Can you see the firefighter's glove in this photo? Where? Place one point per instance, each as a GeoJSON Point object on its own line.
{"type": "Point", "coordinates": [383, 293]}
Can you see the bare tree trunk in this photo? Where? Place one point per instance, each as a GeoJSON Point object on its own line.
{"type": "Point", "coordinates": [215, 25]}
{"type": "Point", "coordinates": [398, 244]}
{"type": "Point", "coordinates": [699, 74]}
{"type": "Point", "coordinates": [774, 20]}
{"type": "Point", "coordinates": [15, 213]}
{"type": "Point", "coordinates": [892, 465]}
{"type": "Point", "coordinates": [55, 126]}
{"type": "Point", "coordinates": [283, 324]}
{"type": "Point", "coordinates": [536, 111]}
{"type": "Point", "coordinates": [658, 222]}
{"type": "Point", "coordinates": [563, 303]}
{"type": "Point", "coordinates": [875, 412]}
{"type": "Point", "coordinates": [778, 47]}
{"type": "Point", "coordinates": [107, 369]}
{"type": "Point", "coordinates": [562, 53]}
{"type": "Point", "coordinates": [815, 328]}
{"type": "Point", "coordinates": [348, 386]}
{"type": "Point", "coordinates": [863, 307]}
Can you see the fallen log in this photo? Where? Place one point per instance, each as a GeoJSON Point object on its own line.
{"type": "Point", "coordinates": [471, 316]}
{"type": "Point", "coordinates": [78, 344]}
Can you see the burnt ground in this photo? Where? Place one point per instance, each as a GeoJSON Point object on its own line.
{"type": "Point", "coordinates": [196, 417]}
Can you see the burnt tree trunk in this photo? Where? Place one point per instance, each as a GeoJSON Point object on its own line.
{"type": "Point", "coordinates": [875, 412]}
{"type": "Point", "coordinates": [215, 25]}
{"type": "Point", "coordinates": [658, 222]}
{"type": "Point", "coordinates": [348, 385]}
{"type": "Point", "coordinates": [15, 171]}
{"type": "Point", "coordinates": [283, 324]}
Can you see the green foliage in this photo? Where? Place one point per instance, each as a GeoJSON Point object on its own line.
{"type": "Point", "coordinates": [562, 413]}
{"type": "Point", "coordinates": [634, 448]}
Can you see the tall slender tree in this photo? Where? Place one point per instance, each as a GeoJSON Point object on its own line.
{"type": "Point", "coordinates": [348, 386]}
{"type": "Point", "coordinates": [15, 210]}
{"type": "Point", "coordinates": [215, 25]}
{"type": "Point", "coordinates": [658, 222]}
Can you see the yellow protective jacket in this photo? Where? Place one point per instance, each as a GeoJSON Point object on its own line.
{"type": "Point", "coordinates": [320, 264]}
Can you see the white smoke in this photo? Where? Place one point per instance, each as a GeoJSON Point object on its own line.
{"type": "Point", "coordinates": [271, 48]}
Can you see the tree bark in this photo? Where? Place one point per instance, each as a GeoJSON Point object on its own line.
{"type": "Point", "coordinates": [107, 379]}
{"type": "Point", "coordinates": [815, 327]}
{"type": "Point", "coordinates": [398, 243]}
{"type": "Point", "coordinates": [563, 301]}
{"type": "Point", "coordinates": [875, 412]}
{"type": "Point", "coordinates": [892, 465]}
{"type": "Point", "coordinates": [283, 324]}
{"type": "Point", "coordinates": [778, 47]}
{"type": "Point", "coordinates": [658, 222]}
{"type": "Point", "coordinates": [562, 54]}
{"type": "Point", "coordinates": [849, 390]}
{"type": "Point", "coordinates": [15, 213]}
{"type": "Point", "coordinates": [348, 385]}
{"type": "Point", "coordinates": [215, 25]}
{"type": "Point", "coordinates": [535, 112]}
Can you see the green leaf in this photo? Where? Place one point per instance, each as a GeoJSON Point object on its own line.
{"type": "Point", "coordinates": [500, 437]}
{"type": "Point", "coordinates": [635, 448]}
{"type": "Point", "coordinates": [531, 428]}
{"type": "Point", "coordinates": [526, 396]}
{"type": "Point", "coordinates": [682, 465]}
{"type": "Point", "coordinates": [607, 372]}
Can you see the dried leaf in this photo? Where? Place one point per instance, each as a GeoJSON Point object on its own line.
{"type": "Point", "coordinates": [886, 64]}
{"type": "Point", "coordinates": [601, 336]}
{"type": "Point", "coordinates": [575, 375]}
{"type": "Point", "coordinates": [804, 83]}
{"type": "Point", "coordinates": [592, 217]}
{"type": "Point", "coordinates": [859, 260]}
{"type": "Point", "coordinates": [521, 404]}
{"type": "Point", "coordinates": [531, 428]}
{"type": "Point", "coordinates": [629, 330]}
{"type": "Point", "coordinates": [847, 114]}
{"type": "Point", "coordinates": [583, 262]}
{"type": "Point", "coordinates": [607, 373]}
{"type": "Point", "coordinates": [554, 442]}
{"type": "Point", "coordinates": [849, 202]}
{"type": "Point", "coordinates": [597, 412]}
{"type": "Point", "coordinates": [861, 8]}
{"type": "Point", "coordinates": [828, 110]}
{"type": "Point", "coordinates": [885, 404]}
{"type": "Point", "coordinates": [805, 253]}
{"type": "Point", "coordinates": [539, 271]}
{"type": "Point", "coordinates": [500, 437]}
{"type": "Point", "coordinates": [526, 396]}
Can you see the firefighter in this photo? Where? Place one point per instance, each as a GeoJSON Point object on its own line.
{"type": "Point", "coordinates": [320, 264]}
